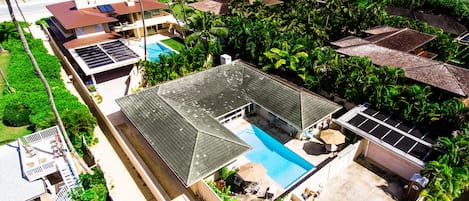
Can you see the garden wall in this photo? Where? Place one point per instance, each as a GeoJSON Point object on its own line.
{"type": "Point", "coordinates": [202, 190]}
{"type": "Point", "coordinates": [324, 173]}
{"type": "Point", "coordinates": [107, 127]}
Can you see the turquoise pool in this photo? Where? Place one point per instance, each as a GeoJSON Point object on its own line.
{"type": "Point", "coordinates": [155, 49]}
{"type": "Point", "coordinates": [282, 165]}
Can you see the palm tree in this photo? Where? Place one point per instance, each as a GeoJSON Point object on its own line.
{"type": "Point", "coordinates": [48, 90]}
{"type": "Point", "coordinates": [285, 58]}
{"type": "Point", "coordinates": [144, 29]}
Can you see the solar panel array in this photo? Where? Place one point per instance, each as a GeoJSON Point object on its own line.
{"type": "Point", "coordinates": [105, 8]}
{"type": "Point", "coordinates": [118, 51]}
{"type": "Point", "coordinates": [106, 53]}
{"type": "Point", "coordinates": [94, 56]}
{"type": "Point", "coordinates": [413, 140]}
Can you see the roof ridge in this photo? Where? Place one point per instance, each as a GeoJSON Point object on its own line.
{"type": "Point", "coordinates": [388, 36]}
{"type": "Point", "coordinates": [455, 78]}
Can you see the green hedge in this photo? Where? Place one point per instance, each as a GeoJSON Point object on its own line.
{"type": "Point", "coordinates": [16, 115]}
{"type": "Point", "coordinates": [31, 92]}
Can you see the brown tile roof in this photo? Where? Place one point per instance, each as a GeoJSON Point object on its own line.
{"type": "Point", "coordinates": [91, 40]}
{"type": "Point", "coordinates": [216, 7]}
{"type": "Point", "coordinates": [221, 7]}
{"type": "Point", "coordinates": [68, 15]}
{"type": "Point", "coordinates": [381, 29]}
{"type": "Point", "coordinates": [349, 41]}
{"type": "Point", "coordinates": [441, 75]}
{"type": "Point", "coordinates": [405, 40]}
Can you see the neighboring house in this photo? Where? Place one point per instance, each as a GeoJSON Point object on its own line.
{"type": "Point", "coordinates": [221, 7]}
{"type": "Point", "coordinates": [448, 24]}
{"type": "Point", "coordinates": [395, 145]}
{"type": "Point", "coordinates": [387, 48]}
{"type": "Point", "coordinates": [182, 120]}
{"type": "Point", "coordinates": [37, 166]}
{"type": "Point", "coordinates": [91, 31]}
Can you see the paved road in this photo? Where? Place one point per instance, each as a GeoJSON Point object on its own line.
{"type": "Point", "coordinates": [32, 9]}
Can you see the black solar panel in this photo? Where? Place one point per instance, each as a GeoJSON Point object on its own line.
{"type": "Point", "coordinates": [93, 56]}
{"type": "Point", "coordinates": [380, 131]}
{"type": "Point", "coordinates": [368, 125]}
{"type": "Point", "coordinates": [392, 137]}
{"type": "Point", "coordinates": [419, 151]}
{"type": "Point", "coordinates": [370, 111]}
{"type": "Point", "coordinates": [418, 132]}
{"type": "Point", "coordinates": [357, 120]}
{"type": "Point", "coordinates": [391, 122]}
{"type": "Point", "coordinates": [405, 127]}
{"type": "Point", "coordinates": [405, 144]}
{"type": "Point", "coordinates": [381, 116]}
{"type": "Point", "coordinates": [119, 51]}
{"type": "Point", "coordinates": [429, 138]}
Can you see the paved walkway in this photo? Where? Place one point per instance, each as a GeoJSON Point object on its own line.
{"type": "Point", "coordinates": [357, 183]}
{"type": "Point", "coordinates": [120, 182]}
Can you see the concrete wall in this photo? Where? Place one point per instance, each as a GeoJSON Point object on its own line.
{"type": "Point", "coordinates": [202, 190]}
{"type": "Point", "coordinates": [325, 173]}
{"type": "Point", "coordinates": [391, 161]}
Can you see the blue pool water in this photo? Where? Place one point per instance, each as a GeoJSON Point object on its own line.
{"type": "Point", "coordinates": [155, 49]}
{"type": "Point", "coordinates": [282, 165]}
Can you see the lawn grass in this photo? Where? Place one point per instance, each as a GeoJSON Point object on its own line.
{"type": "Point", "coordinates": [4, 58]}
{"type": "Point", "coordinates": [176, 45]}
{"type": "Point", "coordinates": [8, 134]}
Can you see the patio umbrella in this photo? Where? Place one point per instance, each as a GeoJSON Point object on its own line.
{"type": "Point", "coordinates": [252, 172]}
{"type": "Point", "coordinates": [331, 136]}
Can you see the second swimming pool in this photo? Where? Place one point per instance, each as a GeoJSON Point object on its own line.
{"type": "Point", "coordinates": [282, 164]}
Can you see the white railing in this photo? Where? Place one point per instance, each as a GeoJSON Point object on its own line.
{"type": "Point", "coordinates": [41, 135]}
{"type": "Point", "coordinates": [62, 195]}
{"type": "Point", "coordinates": [40, 171]}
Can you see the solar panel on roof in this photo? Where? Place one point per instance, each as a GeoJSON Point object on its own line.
{"type": "Point", "coordinates": [93, 56]}
{"type": "Point", "coordinates": [404, 127]}
{"type": "Point", "coordinates": [119, 51]}
{"type": "Point", "coordinates": [357, 120]}
{"type": "Point", "coordinates": [368, 125]}
{"type": "Point", "coordinates": [105, 8]}
{"type": "Point", "coordinates": [419, 151]}
{"type": "Point", "coordinates": [465, 38]}
{"type": "Point", "coordinates": [418, 132]}
{"type": "Point", "coordinates": [405, 144]}
{"type": "Point", "coordinates": [370, 111]}
{"type": "Point", "coordinates": [391, 122]}
{"type": "Point", "coordinates": [381, 117]}
{"type": "Point", "coordinates": [392, 137]}
{"type": "Point", "coordinates": [380, 131]}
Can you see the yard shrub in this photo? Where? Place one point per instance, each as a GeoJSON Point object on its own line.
{"type": "Point", "coordinates": [16, 115]}
{"type": "Point", "coordinates": [93, 187]}
{"type": "Point", "coordinates": [30, 91]}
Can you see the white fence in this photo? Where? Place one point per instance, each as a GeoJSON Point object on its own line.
{"type": "Point", "coordinates": [334, 167]}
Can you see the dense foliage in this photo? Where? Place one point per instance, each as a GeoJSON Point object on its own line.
{"type": "Point", "coordinates": [16, 115]}
{"type": "Point", "coordinates": [449, 174]}
{"type": "Point", "coordinates": [93, 187]}
{"type": "Point", "coordinates": [30, 92]}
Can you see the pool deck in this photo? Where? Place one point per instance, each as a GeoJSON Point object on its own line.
{"type": "Point", "coordinates": [312, 151]}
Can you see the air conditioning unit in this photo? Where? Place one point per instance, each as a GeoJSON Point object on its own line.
{"type": "Point", "coordinates": [225, 59]}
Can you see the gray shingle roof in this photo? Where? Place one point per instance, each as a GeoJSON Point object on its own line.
{"type": "Point", "coordinates": [177, 118]}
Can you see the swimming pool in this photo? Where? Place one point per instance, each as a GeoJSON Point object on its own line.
{"type": "Point", "coordinates": [155, 49]}
{"type": "Point", "coordinates": [282, 164]}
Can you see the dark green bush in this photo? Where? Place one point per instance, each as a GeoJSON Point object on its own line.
{"type": "Point", "coordinates": [16, 115]}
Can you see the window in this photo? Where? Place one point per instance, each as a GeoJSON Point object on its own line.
{"type": "Point", "coordinates": [155, 12]}
{"type": "Point", "coordinates": [146, 14]}
{"type": "Point", "coordinates": [99, 28]}
{"type": "Point", "coordinates": [80, 31]}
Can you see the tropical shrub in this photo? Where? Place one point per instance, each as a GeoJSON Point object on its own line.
{"type": "Point", "coordinates": [30, 91]}
{"type": "Point", "coordinates": [16, 115]}
{"type": "Point", "coordinates": [93, 187]}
